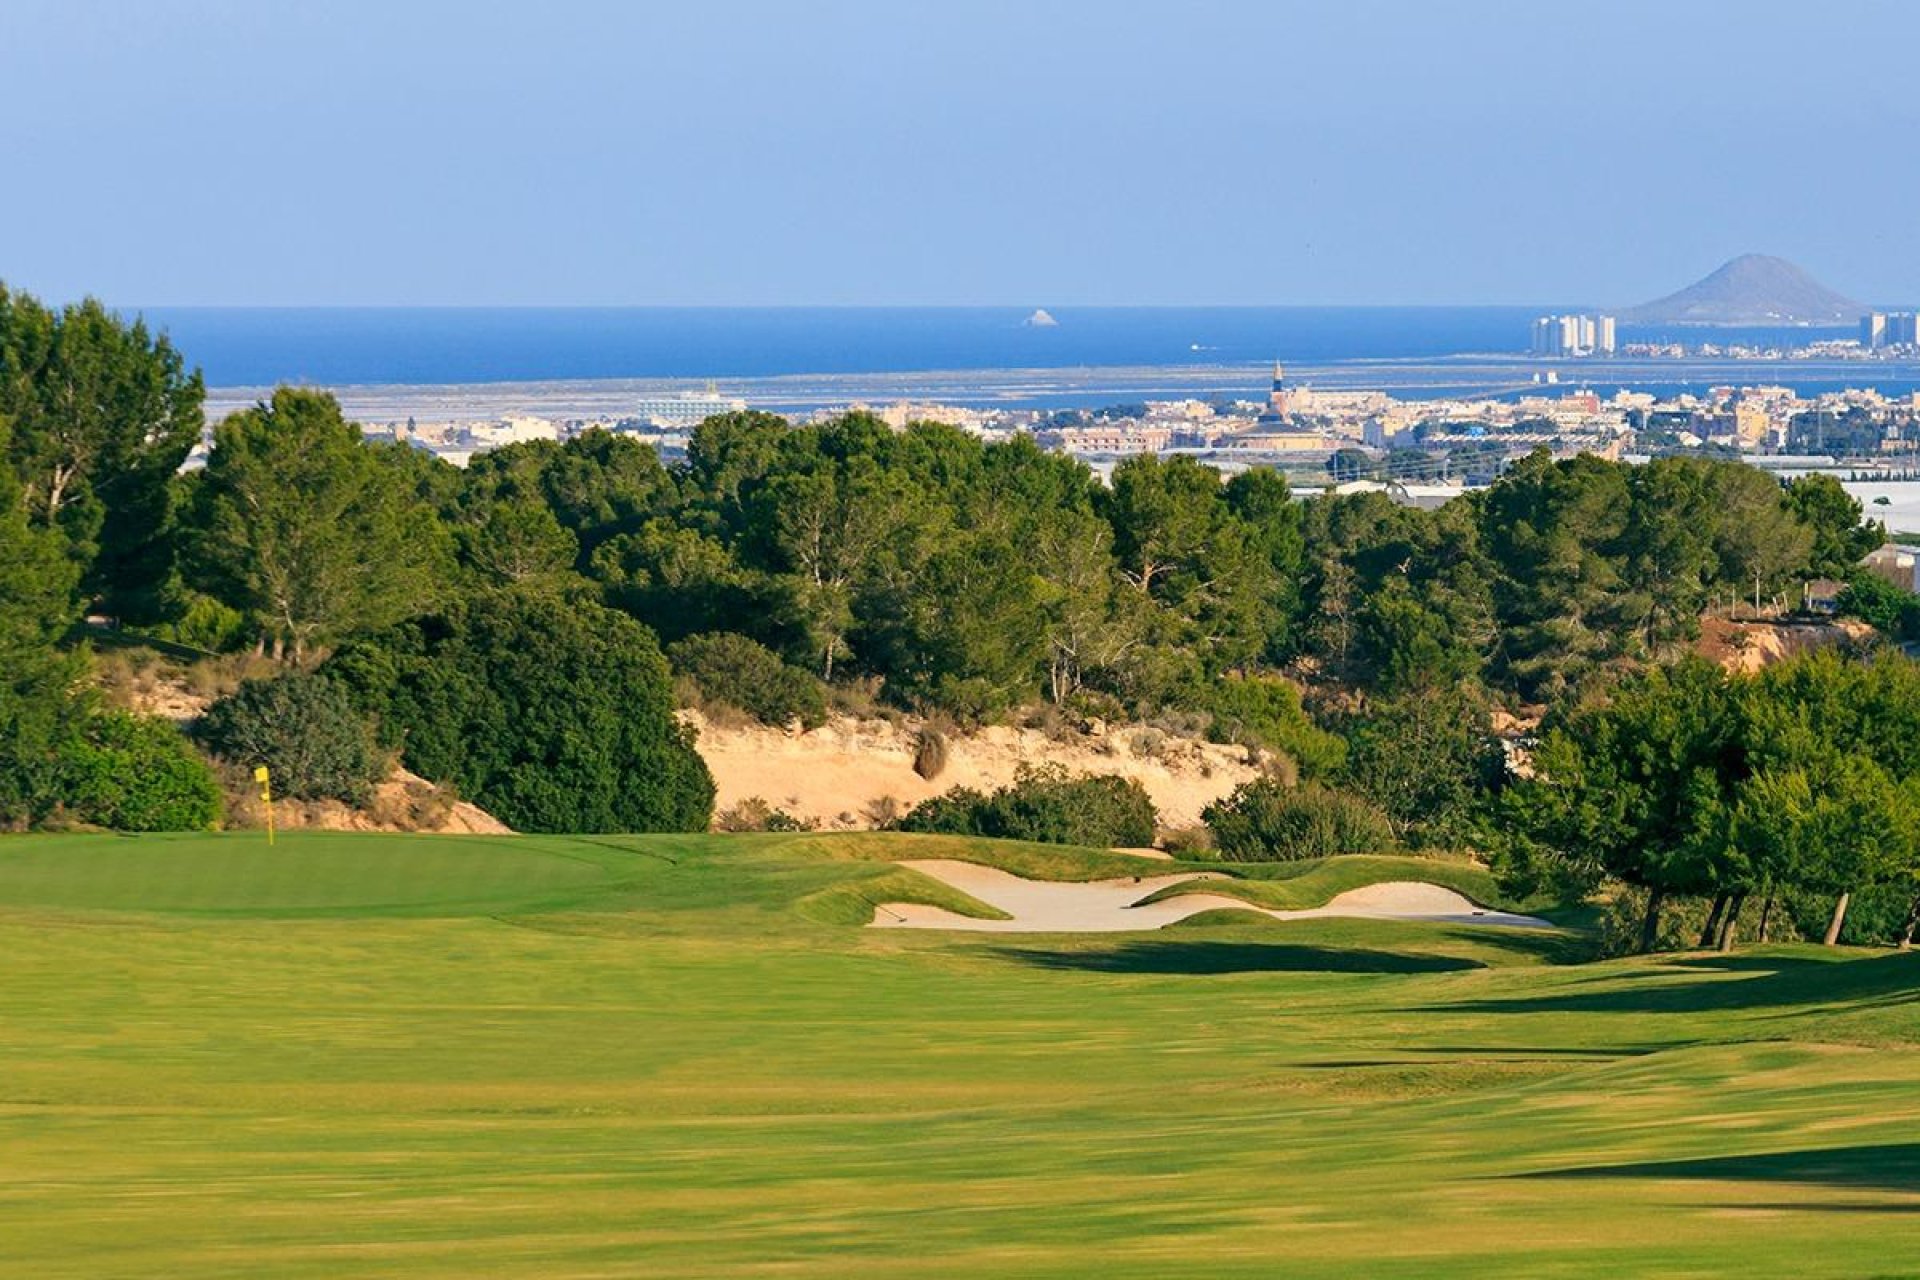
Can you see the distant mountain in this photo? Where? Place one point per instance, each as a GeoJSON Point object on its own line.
{"type": "Point", "coordinates": [1752, 289]}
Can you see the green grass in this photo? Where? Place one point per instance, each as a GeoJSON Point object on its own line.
{"type": "Point", "coordinates": [1294, 886]}
{"type": "Point", "coordinates": [674, 1057]}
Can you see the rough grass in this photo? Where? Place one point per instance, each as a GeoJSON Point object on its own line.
{"type": "Point", "coordinates": [369, 1055]}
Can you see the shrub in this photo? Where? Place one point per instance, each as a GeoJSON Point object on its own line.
{"type": "Point", "coordinates": [138, 773]}
{"type": "Point", "coordinates": [1193, 844]}
{"type": "Point", "coordinates": [553, 714]}
{"type": "Point", "coordinates": [755, 814]}
{"type": "Point", "coordinates": [306, 729]}
{"type": "Point", "coordinates": [201, 622]}
{"type": "Point", "coordinates": [1148, 744]}
{"type": "Point", "coordinates": [1257, 712]}
{"type": "Point", "coordinates": [1427, 760]}
{"type": "Point", "coordinates": [930, 753]}
{"type": "Point", "coordinates": [1263, 821]}
{"type": "Point", "coordinates": [1045, 805]}
{"type": "Point", "coordinates": [1889, 610]}
{"type": "Point", "coordinates": [959, 812]}
{"type": "Point", "coordinates": [743, 673]}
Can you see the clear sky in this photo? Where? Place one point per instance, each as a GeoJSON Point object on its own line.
{"type": "Point", "coordinates": [905, 152]}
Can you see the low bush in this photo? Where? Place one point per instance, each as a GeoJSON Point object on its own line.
{"type": "Point", "coordinates": [881, 812]}
{"type": "Point", "coordinates": [930, 753]}
{"type": "Point", "coordinates": [1266, 713]}
{"type": "Point", "coordinates": [306, 729]}
{"type": "Point", "coordinates": [740, 672]}
{"type": "Point", "coordinates": [138, 773]}
{"type": "Point", "coordinates": [200, 622]}
{"type": "Point", "coordinates": [1265, 821]}
{"type": "Point", "coordinates": [1044, 805]}
{"type": "Point", "coordinates": [1191, 844]}
{"type": "Point", "coordinates": [755, 814]}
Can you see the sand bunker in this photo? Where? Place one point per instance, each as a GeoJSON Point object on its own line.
{"type": "Point", "coordinates": [1115, 906]}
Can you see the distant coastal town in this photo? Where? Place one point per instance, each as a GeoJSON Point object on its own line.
{"type": "Point", "coordinates": [1843, 399]}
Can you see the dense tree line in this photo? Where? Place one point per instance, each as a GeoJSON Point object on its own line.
{"type": "Point", "coordinates": [953, 576]}
{"type": "Point", "coordinates": [1799, 784]}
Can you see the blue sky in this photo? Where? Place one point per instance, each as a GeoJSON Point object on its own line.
{"type": "Point", "coordinates": [1025, 153]}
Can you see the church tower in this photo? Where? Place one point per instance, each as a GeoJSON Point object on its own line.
{"type": "Point", "coordinates": [1276, 410]}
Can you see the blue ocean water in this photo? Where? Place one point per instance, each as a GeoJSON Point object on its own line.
{"type": "Point", "coordinates": [339, 346]}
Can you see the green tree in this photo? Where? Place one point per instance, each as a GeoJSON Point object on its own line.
{"type": "Point", "coordinates": [1668, 548]}
{"type": "Point", "coordinates": [1846, 736]}
{"type": "Point", "coordinates": [734, 670]}
{"type": "Point", "coordinates": [1886, 608]}
{"type": "Point", "coordinates": [1835, 827]}
{"type": "Point", "coordinates": [682, 582]}
{"type": "Point", "coordinates": [503, 524]}
{"type": "Point", "coordinates": [1425, 759]}
{"type": "Point", "coordinates": [1394, 598]}
{"type": "Point", "coordinates": [600, 485]}
{"type": "Point", "coordinates": [1262, 501]}
{"type": "Point", "coordinates": [39, 709]}
{"type": "Point", "coordinates": [1636, 787]}
{"type": "Point", "coordinates": [825, 520]}
{"type": "Point", "coordinates": [312, 532]}
{"type": "Point", "coordinates": [1832, 516]}
{"type": "Point", "coordinates": [551, 713]}
{"type": "Point", "coordinates": [1758, 539]}
{"type": "Point", "coordinates": [103, 413]}
{"type": "Point", "coordinates": [729, 456]}
{"type": "Point", "coordinates": [1181, 546]}
{"type": "Point", "coordinates": [1553, 531]}
{"type": "Point", "coordinates": [966, 632]}
{"type": "Point", "coordinates": [1089, 632]}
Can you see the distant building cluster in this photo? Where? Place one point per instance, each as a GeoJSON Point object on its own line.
{"type": "Point", "coordinates": [1423, 450]}
{"type": "Point", "coordinates": [1882, 329]}
{"type": "Point", "coordinates": [1573, 336]}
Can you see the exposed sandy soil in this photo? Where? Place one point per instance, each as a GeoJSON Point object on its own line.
{"type": "Point", "coordinates": [1749, 646]}
{"type": "Point", "coordinates": [837, 774]}
{"type": "Point", "coordinates": [404, 802]}
{"type": "Point", "coordinates": [1109, 906]}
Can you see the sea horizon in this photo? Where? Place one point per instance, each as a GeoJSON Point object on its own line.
{"type": "Point", "coordinates": [432, 346]}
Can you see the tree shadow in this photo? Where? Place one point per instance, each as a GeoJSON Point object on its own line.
{"type": "Point", "coordinates": [1233, 957]}
{"type": "Point", "coordinates": [1772, 982]}
{"type": "Point", "coordinates": [1835, 1206]}
{"type": "Point", "coordinates": [1549, 946]}
{"type": "Point", "coordinates": [1891, 1166]}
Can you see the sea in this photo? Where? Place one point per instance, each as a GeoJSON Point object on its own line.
{"type": "Point", "coordinates": [799, 358]}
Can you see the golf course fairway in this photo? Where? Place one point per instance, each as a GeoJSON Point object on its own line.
{"type": "Point", "coordinates": [682, 1056]}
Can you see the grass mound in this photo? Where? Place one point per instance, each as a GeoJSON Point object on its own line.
{"type": "Point", "coordinates": [856, 902]}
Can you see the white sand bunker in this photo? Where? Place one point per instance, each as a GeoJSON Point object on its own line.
{"type": "Point", "coordinates": [1116, 906]}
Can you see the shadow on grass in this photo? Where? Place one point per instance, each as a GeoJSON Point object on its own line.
{"type": "Point", "coordinates": [1891, 1166]}
{"type": "Point", "coordinates": [1233, 957]}
{"type": "Point", "coordinates": [1548, 946]}
{"type": "Point", "coordinates": [1741, 982]}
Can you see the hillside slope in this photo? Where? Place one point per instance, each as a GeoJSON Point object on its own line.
{"type": "Point", "coordinates": [1750, 289]}
{"type": "Point", "coordinates": [838, 774]}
